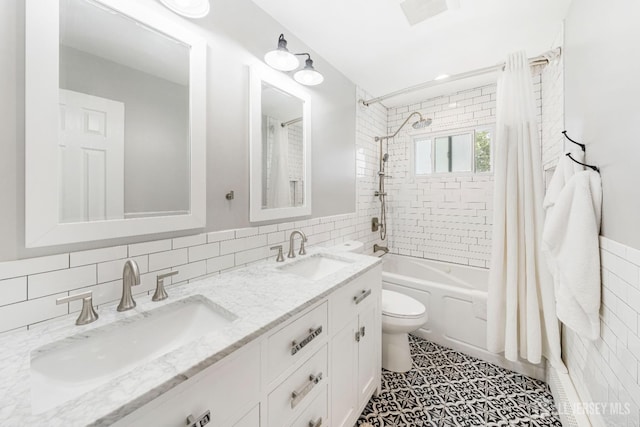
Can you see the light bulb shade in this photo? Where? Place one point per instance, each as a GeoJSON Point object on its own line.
{"type": "Point", "coordinates": [308, 76]}
{"type": "Point", "coordinates": [281, 59]}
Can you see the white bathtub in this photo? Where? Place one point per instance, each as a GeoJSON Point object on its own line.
{"type": "Point", "coordinates": [456, 300]}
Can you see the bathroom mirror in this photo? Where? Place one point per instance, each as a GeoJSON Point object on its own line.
{"type": "Point", "coordinates": [115, 122]}
{"type": "Point", "coordinates": [280, 146]}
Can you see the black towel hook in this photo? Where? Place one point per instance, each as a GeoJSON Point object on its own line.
{"type": "Point", "coordinates": [595, 168]}
{"type": "Point", "coordinates": [564, 132]}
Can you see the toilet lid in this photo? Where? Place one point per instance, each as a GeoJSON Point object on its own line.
{"type": "Point", "coordinates": [395, 304]}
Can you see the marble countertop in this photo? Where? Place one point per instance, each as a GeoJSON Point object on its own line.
{"type": "Point", "coordinates": [259, 295]}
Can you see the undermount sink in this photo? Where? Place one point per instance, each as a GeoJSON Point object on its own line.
{"type": "Point", "coordinates": [66, 369]}
{"type": "Point", "coordinates": [316, 266]}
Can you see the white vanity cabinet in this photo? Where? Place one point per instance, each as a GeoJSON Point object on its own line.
{"type": "Point", "coordinates": [318, 369]}
{"type": "Point", "coordinates": [355, 347]}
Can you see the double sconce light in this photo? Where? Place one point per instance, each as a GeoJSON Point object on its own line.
{"type": "Point", "coordinates": [283, 60]}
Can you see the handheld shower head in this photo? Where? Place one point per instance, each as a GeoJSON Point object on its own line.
{"type": "Point", "coordinates": [385, 157]}
{"type": "Point", "coordinates": [422, 123]}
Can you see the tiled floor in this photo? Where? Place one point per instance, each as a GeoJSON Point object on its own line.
{"type": "Point", "coordinates": [448, 388]}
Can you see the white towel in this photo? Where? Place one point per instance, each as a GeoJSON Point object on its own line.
{"type": "Point", "coordinates": [570, 240]}
{"type": "Point", "coordinates": [565, 169]}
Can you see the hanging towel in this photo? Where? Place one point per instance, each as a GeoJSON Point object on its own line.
{"type": "Point", "coordinates": [570, 239]}
{"type": "Point", "coordinates": [565, 169]}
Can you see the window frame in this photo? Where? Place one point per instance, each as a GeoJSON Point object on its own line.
{"type": "Point", "coordinates": [432, 136]}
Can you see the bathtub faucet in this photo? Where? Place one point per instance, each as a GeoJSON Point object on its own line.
{"type": "Point", "coordinates": [377, 247]}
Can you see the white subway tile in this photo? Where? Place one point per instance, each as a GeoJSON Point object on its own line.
{"type": "Point", "coordinates": [246, 232]}
{"type": "Point", "coordinates": [237, 245]}
{"type": "Point", "coordinates": [31, 311]}
{"type": "Point", "coordinates": [167, 259]}
{"type": "Point", "coordinates": [251, 255]}
{"type": "Point", "coordinates": [220, 263]}
{"type": "Point", "coordinates": [27, 266]}
{"type": "Point", "coordinates": [197, 253]}
{"type": "Point", "coordinates": [183, 242]}
{"type": "Point", "coordinates": [102, 294]}
{"type": "Point", "coordinates": [149, 247]}
{"type": "Point", "coordinates": [39, 285]}
{"type": "Point", "coordinates": [189, 271]}
{"type": "Point", "coordinates": [13, 290]}
{"type": "Point", "coordinates": [218, 236]}
{"type": "Point", "coordinates": [97, 255]}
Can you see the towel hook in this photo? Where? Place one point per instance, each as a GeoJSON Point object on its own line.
{"type": "Point", "coordinates": [595, 168]}
{"type": "Point", "coordinates": [564, 132]}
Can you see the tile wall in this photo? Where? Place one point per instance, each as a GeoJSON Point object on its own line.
{"type": "Point", "coordinates": [29, 287]}
{"type": "Point", "coordinates": [446, 217]}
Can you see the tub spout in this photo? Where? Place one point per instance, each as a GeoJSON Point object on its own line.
{"type": "Point", "coordinates": [377, 247]}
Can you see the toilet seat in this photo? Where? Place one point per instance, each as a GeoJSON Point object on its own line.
{"type": "Point", "coordinates": [400, 306]}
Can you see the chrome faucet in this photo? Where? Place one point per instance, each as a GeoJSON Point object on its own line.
{"type": "Point", "coordinates": [130, 277]}
{"type": "Point", "coordinates": [292, 253]}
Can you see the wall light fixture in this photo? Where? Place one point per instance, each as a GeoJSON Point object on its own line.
{"type": "Point", "coordinates": [282, 59]}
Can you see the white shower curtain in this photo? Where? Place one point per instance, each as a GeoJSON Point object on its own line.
{"type": "Point", "coordinates": [278, 191]}
{"type": "Point", "coordinates": [521, 317]}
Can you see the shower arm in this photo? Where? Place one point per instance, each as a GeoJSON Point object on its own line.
{"type": "Point", "coordinates": [380, 138]}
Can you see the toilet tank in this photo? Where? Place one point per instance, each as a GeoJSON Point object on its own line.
{"type": "Point", "coordinates": [349, 246]}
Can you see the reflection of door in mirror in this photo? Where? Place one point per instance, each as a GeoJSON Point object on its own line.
{"type": "Point", "coordinates": [282, 149]}
{"type": "Point", "coordinates": [105, 55]}
{"type": "Point", "coordinates": [91, 156]}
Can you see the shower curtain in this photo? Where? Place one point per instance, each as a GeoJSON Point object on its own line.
{"type": "Point", "coordinates": [521, 317]}
{"type": "Point", "coordinates": [278, 191]}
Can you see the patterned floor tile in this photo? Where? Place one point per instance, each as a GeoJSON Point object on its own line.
{"type": "Point", "coordinates": [449, 388]}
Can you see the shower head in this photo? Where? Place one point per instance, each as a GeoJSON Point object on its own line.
{"type": "Point", "coordinates": [422, 123]}
{"type": "Point", "coordinates": [385, 157]}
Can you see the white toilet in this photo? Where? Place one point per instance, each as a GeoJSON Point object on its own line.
{"type": "Point", "coordinates": [401, 314]}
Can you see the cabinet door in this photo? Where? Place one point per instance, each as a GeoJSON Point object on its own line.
{"type": "Point", "coordinates": [368, 354]}
{"type": "Point", "coordinates": [344, 358]}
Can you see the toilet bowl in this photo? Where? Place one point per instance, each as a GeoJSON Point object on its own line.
{"type": "Point", "coordinates": [401, 314]}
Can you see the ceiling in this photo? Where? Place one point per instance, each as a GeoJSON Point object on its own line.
{"type": "Point", "coordinates": [373, 44]}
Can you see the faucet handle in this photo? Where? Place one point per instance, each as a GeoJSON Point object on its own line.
{"type": "Point", "coordinates": [88, 313]}
{"type": "Point", "coordinates": [160, 294]}
{"type": "Point", "coordinates": [280, 257]}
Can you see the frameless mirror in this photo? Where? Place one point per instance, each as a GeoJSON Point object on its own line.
{"type": "Point", "coordinates": [280, 144]}
{"type": "Point", "coordinates": [115, 122]}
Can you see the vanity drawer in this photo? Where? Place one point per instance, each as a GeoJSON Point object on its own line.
{"type": "Point", "coordinates": [347, 302]}
{"type": "Point", "coordinates": [307, 332]}
{"type": "Point", "coordinates": [316, 413]}
{"type": "Point", "coordinates": [225, 389]}
{"type": "Point", "coordinates": [293, 395]}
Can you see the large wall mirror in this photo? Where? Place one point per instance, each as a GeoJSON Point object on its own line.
{"type": "Point", "coordinates": [115, 122]}
{"type": "Point", "coordinates": [280, 147]}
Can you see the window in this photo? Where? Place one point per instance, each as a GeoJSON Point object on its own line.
{"type": "Point", "coordinates": [465, 151]}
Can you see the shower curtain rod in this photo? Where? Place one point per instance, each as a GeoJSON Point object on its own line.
{"type": "Point", "coordinates": [290, 122]}
{"type": "Point", "coordinates": [538, 60]}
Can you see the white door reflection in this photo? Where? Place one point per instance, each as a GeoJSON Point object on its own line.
{"type": "Point", "coordinates": [91, 155]}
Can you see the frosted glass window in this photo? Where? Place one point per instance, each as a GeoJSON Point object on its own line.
{"type": "Point", "coordinates": [442, 154]}
{"type": "Point", "coordinates": [423, 156]}
{"type": "Point", "coordinates": [461, 153]}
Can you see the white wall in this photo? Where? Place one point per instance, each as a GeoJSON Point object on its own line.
{"type": "Point", "coordinates": [602, 66]}
{"type": "Point", "coordinates": [601, 93]}
{"type": "Point", "coordinates": [238, 33]}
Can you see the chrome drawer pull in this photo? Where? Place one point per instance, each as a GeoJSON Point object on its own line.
{"type": "Point", "coordinates": [201, 421]}
{"type": "Point", "coordinates": [316, 424]}
{"type": "Point", "coordinates": [297, 396]}
{"type": "Point", "coordinates": [297, 346]}
{"type": "Point", "coordinates": [358, 299]}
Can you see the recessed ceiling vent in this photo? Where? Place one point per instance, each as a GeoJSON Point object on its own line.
{"type": "Point", "coordinates": [417, 11]}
